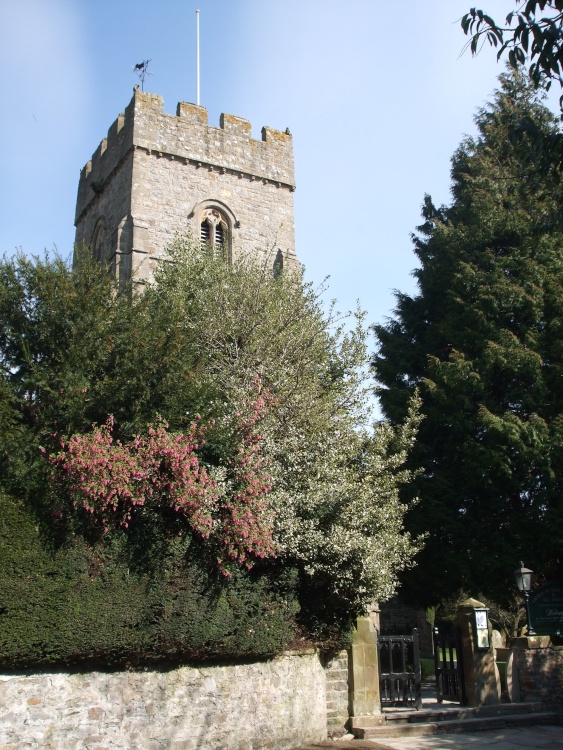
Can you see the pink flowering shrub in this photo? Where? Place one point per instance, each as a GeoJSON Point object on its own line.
{"type": "Point", "coordinates": [109, 480]}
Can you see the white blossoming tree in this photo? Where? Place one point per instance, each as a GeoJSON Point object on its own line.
{"type": "Point", "coordinates": [335, 501]}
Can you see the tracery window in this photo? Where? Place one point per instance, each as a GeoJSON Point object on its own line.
{"type": "Point", "coordinates": [214, 230]}
{"type": "Point", "coordinates": [214, 224]}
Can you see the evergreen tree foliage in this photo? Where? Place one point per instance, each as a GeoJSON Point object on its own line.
{"type": "Point", "coordinates": [481, 341]}
{"type": "Point", "coordinates": [89, 606]}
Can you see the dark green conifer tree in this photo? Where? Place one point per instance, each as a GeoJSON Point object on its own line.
{"type": "Point", "coordinates": [482, 341]}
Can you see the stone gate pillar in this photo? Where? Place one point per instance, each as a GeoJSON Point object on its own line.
{"type": "Point", "coordinates": [364, 696]}
{"type": "Point", "coordinates": [482, 680]}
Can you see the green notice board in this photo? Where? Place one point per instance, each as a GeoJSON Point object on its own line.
{"type": "Point", "coordinates": [546, 609]}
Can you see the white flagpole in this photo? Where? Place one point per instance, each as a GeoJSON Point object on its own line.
{"type": "Point", "coordinates": [197, 55]}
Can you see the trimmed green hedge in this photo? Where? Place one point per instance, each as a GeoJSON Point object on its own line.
{"type": "Point", "coordinates": [97, 605]}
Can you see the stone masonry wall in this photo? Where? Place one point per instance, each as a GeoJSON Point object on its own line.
{"type": "Point", "coordinates": [535, 671]}
{"type": "Point", "coordinates": [337, 711]}
{"type": "Point", "coordinates": [279, 705]}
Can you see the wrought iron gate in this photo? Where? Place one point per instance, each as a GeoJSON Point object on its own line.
{"type": "Point", "coordinates": [399, 670]}
{"type": "Point", "coordinates": [450, 682]}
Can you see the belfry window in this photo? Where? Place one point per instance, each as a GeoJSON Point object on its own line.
{"type": "Point", "coordinates": [214, 224]}
{"type": "Point", "coordinates": [214, 229]}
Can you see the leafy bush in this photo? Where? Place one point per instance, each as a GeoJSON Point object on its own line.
{"type": "Point", "coordinates": [297, 481]}
{"type": "Point", "coordinates": [82, 606]}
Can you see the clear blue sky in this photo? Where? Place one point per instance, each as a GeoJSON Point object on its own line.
{"type": "Point", "coordinates": [375, 93]}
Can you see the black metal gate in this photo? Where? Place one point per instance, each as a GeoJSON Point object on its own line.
{"type": "Point", "coordinates": [399, 670]}
{"type": "Point", "coordinates": [450, 682]}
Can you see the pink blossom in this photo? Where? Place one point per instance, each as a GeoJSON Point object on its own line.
{"type": "Point", "coordinates": [108, 480]}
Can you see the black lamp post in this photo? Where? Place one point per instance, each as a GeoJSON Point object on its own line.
{"type": "Point", "coordinates": [524, 582]}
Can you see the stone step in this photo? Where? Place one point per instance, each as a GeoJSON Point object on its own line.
{"type": "Point", "coordinates": [449, 714]}
{"type": "Point", "coordinates": [467, 724]}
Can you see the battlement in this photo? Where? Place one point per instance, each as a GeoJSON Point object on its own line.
{"type": "Point", "coordinates": [156, 175]}
{"type": "Point", "coordinates": [187, 137]}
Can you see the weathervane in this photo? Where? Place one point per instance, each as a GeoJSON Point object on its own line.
{"type": "Point", "coordinates": [141, 69]}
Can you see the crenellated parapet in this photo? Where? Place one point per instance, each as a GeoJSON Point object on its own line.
{"type": "Point", "coordinates": [155, 176]}
{"type": "Point", "coordinates": [187, 137]}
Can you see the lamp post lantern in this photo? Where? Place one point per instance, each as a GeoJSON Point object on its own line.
{"type": "Point", "coordinates": [523, 578]}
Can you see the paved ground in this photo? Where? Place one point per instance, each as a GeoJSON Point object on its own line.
{"type": "Point", "coordinates": [521, 738]}
{"type": "Point", "coordinates": [514, 738]}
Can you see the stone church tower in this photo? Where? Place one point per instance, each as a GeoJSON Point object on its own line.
{"type": "Point", "coordinates": [157, 175]}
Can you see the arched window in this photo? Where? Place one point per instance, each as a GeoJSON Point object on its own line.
{"type": "Point", "coordinates": [214, 230]}
{"type": "Point", "coordinates": [99, 236]}
{"type": "Point", "coordinates": [214, 223]}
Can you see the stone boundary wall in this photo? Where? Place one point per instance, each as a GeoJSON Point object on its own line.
{"type": "Point", "coordinates": [279, 704]}
{"type": "Point", "coordinates": [337, 699]}
{"type": "Point", "coordinates": [535, 671]}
